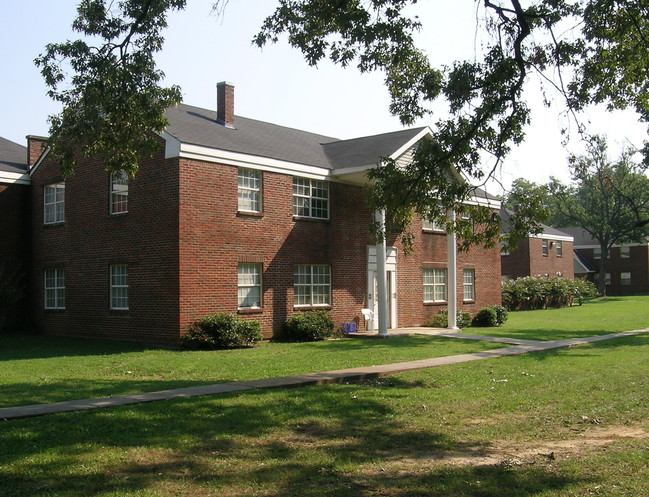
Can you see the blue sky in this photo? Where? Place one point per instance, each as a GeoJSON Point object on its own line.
{"type": "Point", "coordinates": [275, 84]}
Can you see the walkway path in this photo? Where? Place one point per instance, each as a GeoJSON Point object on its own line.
{"type": "Point", "coordinates": [343, 375]}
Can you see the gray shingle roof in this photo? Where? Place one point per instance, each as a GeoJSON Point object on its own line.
{"type": "Point", "coordinates": [13, 157]}
{"type": "Point", "coordinates": [197, 126]}
{"type": "Point", "coordinates": [547, 230]}
{"type": "Point", "coordinates": [581, 237]}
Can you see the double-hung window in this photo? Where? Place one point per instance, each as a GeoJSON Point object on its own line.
{"type": "Point", "coordinates": [625, 278]}
{"type": "Point", "coordinates": [544, 248]}
{"type": "Point", "coordinates": [118, 193]}
{"type": "Point", "coordinates": [469, 284]}
{"type": "Point", "coordinates": [435, 285]}
{"type": "Point", "coordinates": [432, 225]}
{"type": "Point", "coordinates": [249, 190]}
{"type": "Point", "coordinates": [559, 248]}
{"type": "Point", "coordinates": [312, 285]}
{"type": "Point", "coordinates": [625, 252]}
{"type": "Point", "coordinates": [310, 198]}
{"type": "Point", "coordinates": [119, 287]}
{"type": "Point", "coordinates": [249, 286]}
{"type": "Point", "coordinates": [54, 203]}
{"type": "Point", "coordinates": [54, 288]}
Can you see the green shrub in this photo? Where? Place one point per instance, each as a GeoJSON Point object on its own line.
{"type": "Point", "coordinates": [310, 326]}
{"type": "Point", "coordinates": [486, 317]}
{"type": "Point", "coordinates": [11, 292]}
{"type": "Point", "coordinates": [222, 331]}
{"type": "Point", "coordinates": [540, 292]}
{"type": "Point", "coordinates": [440, 320]}
{"type": "Point", "coordinates": [501, 314]}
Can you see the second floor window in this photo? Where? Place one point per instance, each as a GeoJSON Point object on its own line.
{"type": "Point", "coordinates": [249, 190]}
{"type": "Point", "coordinates": [559, 248]}
{"type": "Point", "coordinates": [544, 248]}
{"type": "Point", "coordinates": [310, 198]}
{"type": "Point", "coordinates": [625, 252]}
{"type": "Point", "coordinates": [54, 203]}
{"type": "Point", "coordinates": [431, 225]}
{"type": "Point", "coordinates": [118, 193]}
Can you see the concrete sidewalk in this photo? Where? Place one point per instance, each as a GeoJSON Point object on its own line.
{"type": "Point", "coordinates": [339, 376]}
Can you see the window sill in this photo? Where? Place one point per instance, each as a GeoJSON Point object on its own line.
{"type": "Point", "coordinates": [250, 214]}
{"type": "Point", "coordinates": [118, 214]}
{"type": "Point", "coordinates": [441, 302]}
{"type": "Point", "coordinates": [53, 225]}
{"type": "Point", "coordinates": [250, 310]}
{"type": "Point", "coordinates": [310, 219]}
{"type": "Point", "coordinates": [312, 307]}
{"type": "Point", "coordinates": [469, 301]}
{"type": "Point", "coordinates": [434, 232]}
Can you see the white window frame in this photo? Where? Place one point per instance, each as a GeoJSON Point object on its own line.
{"type": "Point", "coordinates": [249, 190]}
{"type": "Point", "coordinates": [54, 288]}
{"type": "Point", "coordinates": [54, 203]}
{"type": "Point", "coordinates": [119, 193]}
{"type": "Point", "coordinates": [435, 282]}
{"type": "Point", "coordinates": [625, 278]}
{"type": "Point", "coordinates": [119, 285]}
{"type": "Point", "coordinates": [625, 252]}
{"type": "Point", "coordinates": [559, 248]}
{"type": "Point", "coordinates": [249, 285]}
{"type": "Point", "coordinates": [545, 247]}
{"type": "Point", "coordinates": [597, 253]}
{"type": "Point", "coordinates": [312, 285]}
{"type": "Point", "coordinates": [310, 198]}
{"type": "Point", "coordinates": [432, 225]}
{"type": "Point", "coordinates": [468, 284]}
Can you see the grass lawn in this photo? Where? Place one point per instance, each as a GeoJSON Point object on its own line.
{"type": "Point", "coordinates": [596, 317]}
{"type": "Point", "coordinates": [570, 422]}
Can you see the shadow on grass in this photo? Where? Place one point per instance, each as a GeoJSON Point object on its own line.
{"type": "Point", "coordinates": [312, 442]}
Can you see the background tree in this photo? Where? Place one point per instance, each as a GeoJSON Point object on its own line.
{"type": "Point", "coordinates": [112, 97]}
{"type": "Point", "coordinates": [608, 200]}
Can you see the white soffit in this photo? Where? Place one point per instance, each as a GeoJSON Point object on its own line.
{"type": "Point", "coordinates": [14, 178]}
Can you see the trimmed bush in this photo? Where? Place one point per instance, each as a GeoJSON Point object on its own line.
{"type": "Point", "coordinates": [486, 317]}
{"type": "Point", "coordinates": [222, 331]}
{"type": "Point", "coordinates": [310, 326]}
{"type": "Point", "coordinates": [501, 314]}
{"type": "Point", "coordinates": [540, 292]}
{"type": "Point", "coordinates": [441, 320]}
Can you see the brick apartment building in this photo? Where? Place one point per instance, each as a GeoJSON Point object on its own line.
{"type": "Point", "coordinates": [627, 269]}
{"type": "Point", "coordinates": [549, 253]}
{"type": "Point", "coordinates": [232, 215]}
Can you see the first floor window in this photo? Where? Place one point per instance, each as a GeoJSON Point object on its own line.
{"type": "Point", "coordinates": [249, 285]}
{"type": "Point", "coordinates": [118, 193]}
{"type": "Point", "coordinates": [55, 288]}
{"type": "Point", "coordinates": [310, 198]}
{"type": "Point", "coordinates": [249, 190]}
{"type": "Point", "coordinates": [435, 285]}
{"type": "Point", "coordinates": [469, 284]}
{"type": "Point", "coordinates": [625, 278]}
{"type": "Point", "coordinates": [54, 203]}
{"type": "Point", "coordinates": [119, 287]}
{"type": "Point", "coordinates": [312, 284]}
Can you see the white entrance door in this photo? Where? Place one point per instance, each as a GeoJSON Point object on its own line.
{"type": "Point", "coordinates": [391, 287]}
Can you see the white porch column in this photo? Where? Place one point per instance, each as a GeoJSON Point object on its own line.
{"type": "Point", "coordinates": [452, 276]}
{"type": "Point", "coordinates": [381, 275]}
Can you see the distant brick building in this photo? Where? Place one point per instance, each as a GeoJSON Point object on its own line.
{"type": "Point", "coordinates": [549, 254]}
{"type": "Point", "coordinates": [627, 269]}
{"type": "Point", "coordinates": [232, 215]}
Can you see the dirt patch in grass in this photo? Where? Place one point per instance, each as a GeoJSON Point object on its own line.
{"type": "Point", "coordinates": [515, 453]}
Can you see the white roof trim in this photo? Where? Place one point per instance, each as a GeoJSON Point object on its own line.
{"type": "Point", "coordinates": [612, 246]}
{"type": "Point", "coordinates": [546, 236]}
{"type": "Point", "coordinates": [404, 148]}
{"type": "Point", "coordinates": [207, 154]}
{"type": "Point", "coordinates": [15, 178]}
{"type": "Point", "coordinates": [39, 161]}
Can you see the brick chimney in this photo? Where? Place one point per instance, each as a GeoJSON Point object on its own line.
{"type": "Point", "coordinates": [36, 145]}
{"type": "Point", "coordinates": [225, 104]}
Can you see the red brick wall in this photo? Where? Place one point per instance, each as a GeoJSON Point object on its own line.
{"type": "Point", "coordinates": [637, 264]}
{"type": "Point", "coordinates": [91, 239]}
{"type": "Point", "coordinates": [528, 260]}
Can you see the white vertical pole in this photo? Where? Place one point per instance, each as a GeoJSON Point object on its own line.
{"type": "Point", "coordinates": [452, 276]}
{"type": "Point", "coordinates": [382, 297]}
